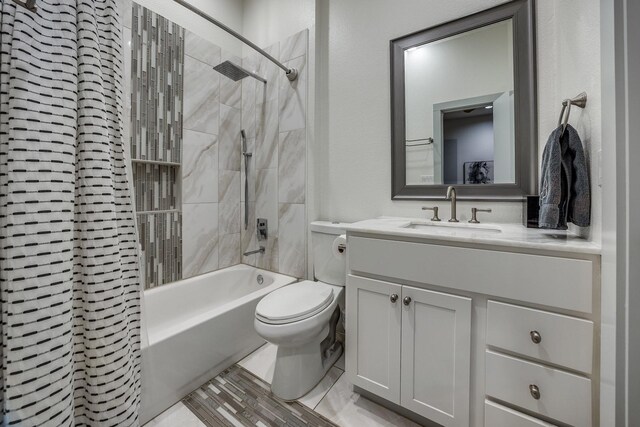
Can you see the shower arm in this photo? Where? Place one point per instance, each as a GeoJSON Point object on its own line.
{"type": "Point", "coordinates": [292, 73]}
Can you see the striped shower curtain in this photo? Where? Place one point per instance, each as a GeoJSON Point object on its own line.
{"type": "Point", "coordinates": [69, 281]}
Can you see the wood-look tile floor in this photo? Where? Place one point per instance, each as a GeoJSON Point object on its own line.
{"type": "Point", "coordinates": [333, 398]}
{"type": "Point", "coordinates": [237, 398]}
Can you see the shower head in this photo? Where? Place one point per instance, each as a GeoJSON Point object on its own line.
{"type": "Point", "coordinates": [235, 72]}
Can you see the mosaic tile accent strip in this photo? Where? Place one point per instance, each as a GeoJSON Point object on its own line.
{"type": "Point", "coordinates": [236, 397]}
{"type": "Point", "coordinates": [161, 241]}
{"type": "Point", "coordinates": [157, 87]}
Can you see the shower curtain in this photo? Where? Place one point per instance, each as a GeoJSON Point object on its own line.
{"type": "Point", "coordinates": [69, 282]}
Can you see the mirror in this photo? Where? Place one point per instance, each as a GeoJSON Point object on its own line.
{"type": "Point", "coordinates": [463, 107]}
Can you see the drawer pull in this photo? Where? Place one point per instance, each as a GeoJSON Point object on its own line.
{"type": "Point", "coordinates": [406, 300]}
{"type": "Point", "coordinates": [393, 297]}
{"type": "Point", "coordinates": [536, 337]}
{"type": "Point", "coordinates": [535, 391]}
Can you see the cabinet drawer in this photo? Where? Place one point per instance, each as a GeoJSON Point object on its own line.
{"type": "Point", "coordinates": [563, 340]}
{"type": "Point", "coordinates": [563, 396]}
{"type": "Point", "coordinates": [500, 416]}
{"type": "Point", "coordinates": [552, 281]}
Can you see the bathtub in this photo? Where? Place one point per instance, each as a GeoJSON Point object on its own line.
{"type": "Point", "coordinates": [196, 328]}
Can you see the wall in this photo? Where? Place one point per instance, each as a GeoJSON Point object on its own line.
{"type": "Point", "coordinates": [266, 22]}
{"type": "Point", "coordinates": [613, 195]}
{"type": "Point", "coordinates": [211, 160]}
{"type": "Point", "coordinates": [229, 12]}
{"type": "Point", "coordinates": [274, 117]}
{"type": "Point", "coordinates": [355, 154]}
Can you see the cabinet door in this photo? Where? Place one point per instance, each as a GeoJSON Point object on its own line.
{"type": "Point", "coordinates": [373, 336]}
{"type": "Point", "coordinates": [436, 355]}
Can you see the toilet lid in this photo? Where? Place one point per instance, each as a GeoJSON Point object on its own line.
{"type": "Point", "coordinates": [294, 302]}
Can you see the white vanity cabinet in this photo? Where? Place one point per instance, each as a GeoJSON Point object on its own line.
{"type": "Point", "coordinates": [474, 335]}
{"type": "Point", "coordinates": [413, 347]}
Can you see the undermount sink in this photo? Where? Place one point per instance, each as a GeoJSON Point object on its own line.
{"type": "Point", "coordinates": [448, 226]}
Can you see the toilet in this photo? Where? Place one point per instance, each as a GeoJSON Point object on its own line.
{"type": "Point", "coordinates": [302, 318]}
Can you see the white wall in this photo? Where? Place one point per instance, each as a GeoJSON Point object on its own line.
{"type": "Point", "coordinates": [268, 21]}
{"type": "Point", "coordinates": [357, 153]}
{"type": "Point", "coordinates": [229, 12]}
{"type": "Point", "coordinates": [569, 63]}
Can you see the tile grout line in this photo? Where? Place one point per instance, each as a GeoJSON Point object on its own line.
{"type": "Point", "coordinates": [330, 388]}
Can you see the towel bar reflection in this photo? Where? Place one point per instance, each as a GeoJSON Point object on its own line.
{"type": "Point", "coordinates": [429, 142]}
{"type": "Point", "coordinates": [27, 4]}
{"type": "Point", "coordinates": [578, 101]}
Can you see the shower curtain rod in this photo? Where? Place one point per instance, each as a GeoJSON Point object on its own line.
{"type": "Point", "coordinates": [291, 73]}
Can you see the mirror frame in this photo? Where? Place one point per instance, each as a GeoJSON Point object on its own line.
{"type": "Point", "coordinates": [524, 64]}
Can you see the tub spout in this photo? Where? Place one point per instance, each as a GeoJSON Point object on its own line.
{"type": "Point", "coordinates": [257, 251]}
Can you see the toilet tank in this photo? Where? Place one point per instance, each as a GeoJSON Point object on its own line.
{"type": "Point", "coordinates": [327, 268]}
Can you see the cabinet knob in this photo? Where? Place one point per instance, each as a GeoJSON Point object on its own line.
{"type": "Point", "coordinates": [406, 300]}
{"type": "Point", "coordinates": [535, 337]}
{"type": "Point", "coordinates": [393, 297]}
{"type": "Point", "coordinates": [535, 391]}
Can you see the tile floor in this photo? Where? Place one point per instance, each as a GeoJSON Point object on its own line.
{"type": "Point", "coordinates": [333, 398]}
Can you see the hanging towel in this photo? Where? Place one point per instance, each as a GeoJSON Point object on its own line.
{"type": "Point", "coordinates": [565, 193]}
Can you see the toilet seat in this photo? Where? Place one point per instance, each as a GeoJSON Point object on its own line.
{"type": "Point", "coordinates": [294, 302]}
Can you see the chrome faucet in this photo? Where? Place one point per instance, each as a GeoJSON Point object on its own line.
{"type": "Point", "coordinates": [451, 195]}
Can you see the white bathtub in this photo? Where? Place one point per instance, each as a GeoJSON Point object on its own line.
{"type": "Point", "coordinates": [197, 328]}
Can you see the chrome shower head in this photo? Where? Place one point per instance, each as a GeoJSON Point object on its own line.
{"type": "Point", "coordinates": [235, 72]}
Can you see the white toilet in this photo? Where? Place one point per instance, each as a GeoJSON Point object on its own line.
{"type": "Point", "coordinates": [301, 318]}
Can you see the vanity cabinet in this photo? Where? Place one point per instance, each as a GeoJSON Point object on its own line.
{"type": "Point", "coordinates": [474, 335]}
{"type": "Point", "coordinates": [413, 347]}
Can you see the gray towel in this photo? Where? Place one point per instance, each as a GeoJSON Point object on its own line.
{"type": "Point", "coordinates": [565, 193]}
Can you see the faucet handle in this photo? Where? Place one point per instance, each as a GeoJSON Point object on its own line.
{"type": "Point", "coordinates": [435, 212]}
{"type": "Point", "coordinates": [474, 212]}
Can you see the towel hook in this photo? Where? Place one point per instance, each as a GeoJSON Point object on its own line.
{"type": "Point", "coordinates": [579, 101]}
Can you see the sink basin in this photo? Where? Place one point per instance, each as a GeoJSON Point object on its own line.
{"type": "Point", "coordinates": [455, 226]}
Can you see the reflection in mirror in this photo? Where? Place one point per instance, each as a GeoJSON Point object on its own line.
{"type": "Point", "coordinates": [459, 108]}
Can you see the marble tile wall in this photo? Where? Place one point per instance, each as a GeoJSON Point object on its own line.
{"type": "Point", "coordinates": [211, 165]}
{"type": "Point", "coordinates": [274, 118]}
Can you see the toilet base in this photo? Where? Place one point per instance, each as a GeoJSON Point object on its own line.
{"type": "Point", "coordinates": [299, 369]}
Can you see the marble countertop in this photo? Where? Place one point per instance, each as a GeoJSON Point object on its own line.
{"type": "Point", "coordinates": [508, 235]}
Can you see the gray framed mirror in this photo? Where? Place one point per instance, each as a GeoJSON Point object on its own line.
{"type": "Point", "coordinates": [463, 107]}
